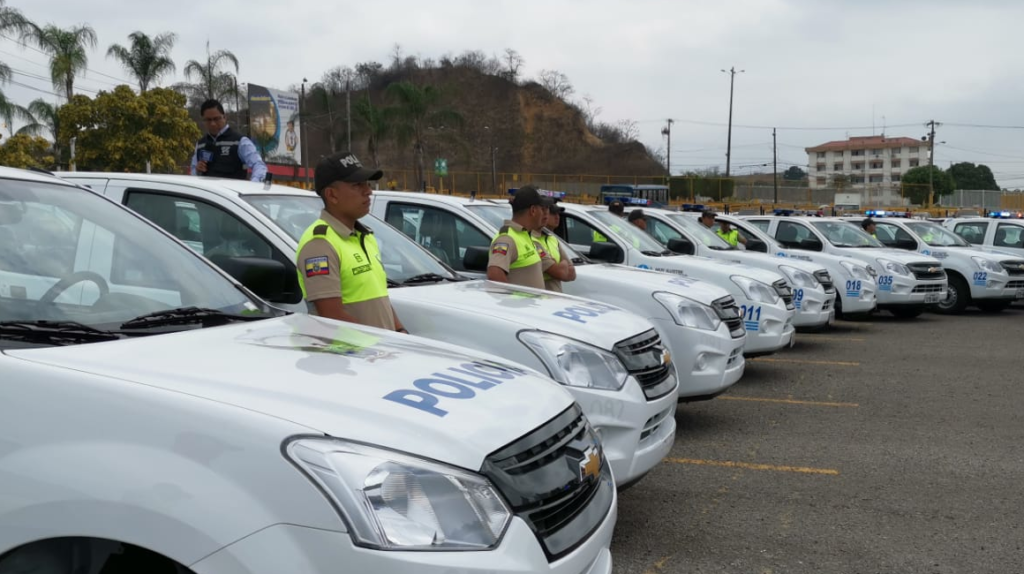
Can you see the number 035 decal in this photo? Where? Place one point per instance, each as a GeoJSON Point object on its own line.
{"type": "Point", "coordinates": [885, 282]}
{"type": "Point", "coordinates": [751, 317]}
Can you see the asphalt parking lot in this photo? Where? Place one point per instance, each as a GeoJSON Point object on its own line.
{"type": "Point", "coordinates": [882, 446]}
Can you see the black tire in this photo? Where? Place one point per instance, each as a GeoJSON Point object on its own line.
{"type": "Point", "coordinates": [906, 311]}
{"type": "Point", "coordinates": [958, 296]}
{"type": "Point", "coordinates": [993, 306]}
{"type": "Point", "coordinates": [839, 306]}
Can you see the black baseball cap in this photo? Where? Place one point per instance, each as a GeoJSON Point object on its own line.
{"type": "Point", "coordinates": [616, 207]}
{"type": "Point", "coordinates": [636, 214]}
{"type": "Point", "coordinates": [553, 207]}
{"type": "Point", "coordinates": [708, 213]}
{"type": "Point", "coordinates": [525, 198]}
{"type": "Point", "coordinates": [342, 166]}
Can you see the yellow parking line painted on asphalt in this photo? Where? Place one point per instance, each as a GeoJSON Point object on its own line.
{"type": "Point", "coordinates": [788, 401]}
{"type": "Point", "coordinates": [657, 566]}
{"type": "Point", "coordinates": [800, 362]}
{"type": "Point", "coordinates": [754, 466]}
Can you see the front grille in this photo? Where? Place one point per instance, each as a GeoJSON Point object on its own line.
{"type": "Point", "coordinates": [646, 359]}
{"type": "Point", "coordinates": [734, 357]}
{"type": "Point", "coordinates": [785, 292]}
{"type": "Point", "coordinates": [557, 480]}
{"type": "Point", "coordinates": [654, 423]}
{"type": "Point", "coordinates": [826, 280]}
{"type": "Point", "coordinates": [827, 305]}
{"type": "Point", "coordinates": [1015, 285]}
{"type": "Point", "coordinates": [729, 313]}
{"type": "Point", "coordinates": [927, 271]}
{"type": "Point", "coordinates": [1013, 267]}
{"type": "Point", "coordinates": [929, 289]}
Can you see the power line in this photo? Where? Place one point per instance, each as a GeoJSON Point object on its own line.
{"type": "Point", "coordinates": [34, 49]}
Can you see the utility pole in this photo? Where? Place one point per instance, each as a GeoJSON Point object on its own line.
{"type": "Point", "coordinates": [775, 166]}
{"type": "Point", "coordinates": [348, 110]}
{"type": "Point", "coordinates": [728, 149]}
{"type": "Point", "coordinates": [931, 161]}
{"type": "Point", "coordinates": [667, 132]}
{"type": "Point", "coordinates": [302, 127]}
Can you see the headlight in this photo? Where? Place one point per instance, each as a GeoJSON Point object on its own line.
{"type": "Point", "coordinates": [893, 267]}
{"type": "Point", "coordinates": [755, 290]}
{"type": "Point", "coordinates": [856, 271]}
{"type": "Point", "coordinates": [393, 501]}
{"type": "Point", "coordinates": [799, 278]}
{"type": "Point", "coordinates": [689, 313]}
{"type": "Point", "coordinates": [988, 265]}
{"type": "Point", "coordinates": [575, 363]}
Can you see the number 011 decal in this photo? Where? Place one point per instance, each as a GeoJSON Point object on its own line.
{"type": "Point", "coordinates": [751, 317]}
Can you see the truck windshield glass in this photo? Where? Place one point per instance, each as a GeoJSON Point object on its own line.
{"type": "Point", "coordinates": [628, 232]}
{"type": "Point", "coordinates": [402, 257]}
{"type": "Point", "coordinates": [842, 234]}
{"type": "Point", "coordinates": [936, 236]}
{"type": "Point", "coordinates": [494, 214]}
{"type": "Point", "coordinates": [69, 255]}
{"type": "Point", "coordinates": [706, 236]}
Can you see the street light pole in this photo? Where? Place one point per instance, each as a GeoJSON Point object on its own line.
{"type": "Point", "coordinates": [728, 149]}
{"type": "Point", "coordinates": [302, 127]}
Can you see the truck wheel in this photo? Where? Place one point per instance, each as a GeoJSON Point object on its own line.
{"type": "Point", "coordinates": [906, 311]}
{"type": "Point", "coordinates": [993, 306]}
{"type": "Point", "coordinates": [958, 296]}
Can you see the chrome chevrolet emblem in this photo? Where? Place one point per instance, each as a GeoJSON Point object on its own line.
{"type": "Point", "coordinates": [934, 269]}
{"type": "Point", "coordinates": [590, 466]}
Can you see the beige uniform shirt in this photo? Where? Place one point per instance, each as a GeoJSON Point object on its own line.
{"type": "Point", "coordinates": [504, 252]}
{"type": "Point", "coordinates": [376, 312]}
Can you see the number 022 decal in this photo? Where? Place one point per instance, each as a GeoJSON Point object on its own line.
{"type": "Point", "coordinates": [751, 317]}
{"type": "Point", "coordinates": [980, 278]}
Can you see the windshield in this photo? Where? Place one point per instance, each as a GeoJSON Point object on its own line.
{"type": "Point", "coordinates": [935, 235]}
{"type": "Point", "coordinates": [628, 232]}
{"type": "Point", "coordinates": [67, 254]}
{"type": "Point", "coordinates": [402, 257]}
{"type": "Point", "coordinates": [705, 235]}
{"type": "Point", "coordinates": [492, 213]}
{"type": "Point", "coordinates": [843, 234]}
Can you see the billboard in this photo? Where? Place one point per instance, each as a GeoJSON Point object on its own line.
{"type": "Point", "coordinates": [274, 125]}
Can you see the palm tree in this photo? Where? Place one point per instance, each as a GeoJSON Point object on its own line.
{"type": "Point", "coordinates": [375, 124]}
{"type": "Point", "coordinates": [416, 111]}
{"type": "Point", "coordinates": [10, 111]}
{"type": "Point", "coordinates": [207, 79]}
{"type": "Point", "coordinates": [45, 119]}
{"type": "Point", "coordinates": [66, 49]}
{"type": "Point", "coordinates": [11, 20]}
{"type": "Point", "coordinates": [147, 59]}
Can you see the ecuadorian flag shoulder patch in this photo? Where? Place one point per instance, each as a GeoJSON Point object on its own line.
{"type": "Point", "coordinates": [499, 249]}
{"type": "Point", "coordinates": [317, 266]}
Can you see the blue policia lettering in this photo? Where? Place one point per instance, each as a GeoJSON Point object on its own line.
{"type": "Point", "coordinates": [456, 383]}
{"type": "Point", "coordinates": [584, 310]}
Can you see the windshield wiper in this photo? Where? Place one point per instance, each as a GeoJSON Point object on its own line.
{"type": "Point", "coordinates": [56, 332]}
{"type": "Point", "coordinates": [185, 316]}
{"type": "Point", "coordinates": [424, 278]}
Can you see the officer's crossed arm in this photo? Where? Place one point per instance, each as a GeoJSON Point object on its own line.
{"type": "Point", "coordinates": [320, 268]}
{"type": "Point", "coordinates": [561, 271]}
{"type": "Point", "coordinates": [570, 274]}
{"type": "Point", "coordinates": [503, 253]}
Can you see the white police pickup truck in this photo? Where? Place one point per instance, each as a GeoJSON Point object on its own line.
{"type": "Point", "coordinates": [612, 361]}
{"type": "Point", "coordinates": [158, 417]}
{"type": "Point", "coordinates": [907, 284]}
{"type": "Point", "coordinates": [854, 280]}
{"type": "Point", "coordinates": [1000, 235]}
{"type": "Point", "coordinates": [990, 281]}
{"type": "Point", "coordinates": [813, 292]}
{"type": "Point", "coordinates": [699, 322]}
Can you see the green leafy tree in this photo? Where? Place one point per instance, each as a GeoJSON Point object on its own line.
{"type": "Point", "coordinates": [120, 130]}
{"type": "Point", "coordinates": [24, 151]}
{"type": "Point", "coordinates": [915, 184]}
{"type": "Point", "coordinates": [11, 20]}
{"type": "Point", "coordinates": [207, 80]}
{"type": "Point", "coordinates": [418, 108]}
{"type": "Point", "coordinates": [146, 59]}
{"type": "Point", "coordinates": [67, 50]}
{"type": "Point", "coordinates": [374, 124]}
{"type": "Point", "coordinates": [44, 122]}
{"type": "Point", "coordinates": [967, 175]}
{"type": "Point", "coordinates": [794, 173]}
{"type": "Point", "coordinates": [10, 111]}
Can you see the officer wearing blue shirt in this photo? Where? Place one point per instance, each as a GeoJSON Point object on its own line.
{"type": "Point", "coordinates": [224, 152]}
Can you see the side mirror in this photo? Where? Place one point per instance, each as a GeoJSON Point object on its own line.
{"type": "Point", "coordinates": [607, 252]}
{"type": "Point", "coordinates": [476, 258]}
{"type": "Point", "coordinates": [908, 244]}
{"type": "Point", "coordinates": [267, 278]}
{"type": "Point", "coordinates": [756, 245]}
{"type": "Point", "coordinates": [682, 246]}
{"type": "Point", "coordinates": [811, 244]}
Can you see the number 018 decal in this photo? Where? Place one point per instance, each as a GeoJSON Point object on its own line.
{"type": "Point", "coordinates": [751, 317]}
{"type": "Point", "coordinates": [853, 288]}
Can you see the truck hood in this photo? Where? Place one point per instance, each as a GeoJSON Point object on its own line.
{"type": "Point", "coordinates": [815, 257]}
{"type": "Point", "coordinates": [765, 261]}
{"type": "Point", "coordinates": [531, 308]}
{"type": "Point", "coordinates": [965, 253]}
{"type": "Point", "coordinates": [362, 384]}
{"type": "Point", "coordinates": [897, 255]}
{"type": "Point", "coordinates": [626, 280]}
{"type": "Point", "coordinates": [708, 267]}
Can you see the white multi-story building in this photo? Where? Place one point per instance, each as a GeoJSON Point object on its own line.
{"type": "Point", "coordinates": [870, 164]}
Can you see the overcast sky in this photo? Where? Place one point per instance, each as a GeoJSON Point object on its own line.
{"type": "Point", "coordinates": [809, 64]}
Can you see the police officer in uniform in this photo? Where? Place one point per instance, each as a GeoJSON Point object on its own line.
{"type": "Point", "coordinates": [637, 218]}
{"type": "Point", "coordinates": [725, 231]}
{"type": "Point", "coordinates": [515, 258]}
{"type": "Point", "coordinates": [224, 152]}
{"type": "Point", "coordinates": [557, 264]}
{"type": "Point", "coordinates": [869, 227]}
{"type": "Point", "coordinates": [617, 208]}
{"type": "Point", "coordinates": [338, 261]}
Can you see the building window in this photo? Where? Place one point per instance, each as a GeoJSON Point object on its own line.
{"type": "Point", "coordinates": [876, 152]}
{"type": "Point", "coordinates": [875, 179]}
{"type": "Point", "coordinates": [914, 150]}
{"type": "Point", "coordinates": [821, 155]}
{"type": "Point", "coordinates": [896, 163]}
{"type": "Point", "coordinates": [876, 165]}
{"type": "Point", "coordinates": [821, 167]}
{"type": "Point", "coordinates": [857, 179]}
{"type": "Point", "coordinates": [857, 152]}
{"type": "Point", "coordinates": [838, 155]}
{"type": "Point", "coordinates": [895, 178]}
{"type": "Point", "coordinates": [895, 151]}
{"type": "Point", "coordinates": [914, 162]}
{"type": "Point", "coordinates": [837, 166]}
{"type": "Point", "coordinates": [820, 180]}
{"type": "Point", "coordinates": [858, 165]}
